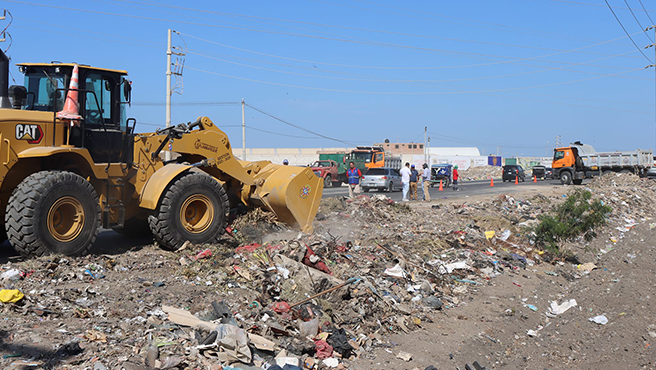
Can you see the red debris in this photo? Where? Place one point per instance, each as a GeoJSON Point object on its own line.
{"type": "Point", "coordinates": [324, 350]}
{"type": "Point", "coordinates": [250, 248]}
{"type": "Point", "coordinates": [281, 307]}
{"type": "Point", "coordinates": [204, 254]}
{"type": "Point", "coordinates": [312, 260]}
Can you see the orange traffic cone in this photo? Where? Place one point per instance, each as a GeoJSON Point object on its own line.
{"type": "Point", "coordinates": [71, 105]}
{"type": "Point", "coordinates": [491, 182]}
{"type": "Point", "coordinates": [516, 180]}
{"type": "Point", "coordinates": [441, 188]}
{"type": "Point", "coordinates": [535, 179]}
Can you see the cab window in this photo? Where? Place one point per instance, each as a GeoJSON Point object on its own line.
{"type": "Point", "coordinates": [98, 108]}
{"type": "Point", "coordinates": [559, 155]}
{"type": "Point", "coordinates": [43, 93]}
{"type": "Point", "coordinates": [378, 157]}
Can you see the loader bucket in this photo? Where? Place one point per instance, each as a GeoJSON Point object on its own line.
{"type": "Point", "coordinates": [292, 193]}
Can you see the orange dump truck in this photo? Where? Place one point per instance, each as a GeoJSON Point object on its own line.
{"type": "Point", "coordinates": [578, 161]}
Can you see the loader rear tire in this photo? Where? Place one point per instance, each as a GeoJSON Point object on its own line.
{"type": "Point", "coordinates": [53, 212]}
{"type": "Point", "coordinates": [194, 207]}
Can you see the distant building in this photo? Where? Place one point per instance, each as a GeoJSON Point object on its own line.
{"type": "Point", "coordinates": [417, 148]}
{"type": "Point", "coordinates": [402, 148]}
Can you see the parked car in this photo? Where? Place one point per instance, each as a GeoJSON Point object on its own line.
{"type": "Point", "coordinates": [512, 171]}
{"type": "Point", "coordinates": [441, 172]}
{"type": "Point", "coordinates": [651, 173]}
{"type": "Point", "coordinates": [539, 172]}
{"type": "Point", "coordinates": [383, 179]}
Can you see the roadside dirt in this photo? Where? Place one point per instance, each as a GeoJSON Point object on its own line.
{"type": "Point", "coordinates": [430, 284]}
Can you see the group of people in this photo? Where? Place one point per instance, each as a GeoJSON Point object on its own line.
{"type": "Point", "coordinates": [410, 178]}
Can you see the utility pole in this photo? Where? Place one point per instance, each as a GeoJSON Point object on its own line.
{"type": "Point", "coordinates": [425, 143]}
{"type": "Point", "coordinates": [428, 150]}
{"type": "Point", "coordinates": [558, 141]}
{"type": "Point", "coordinates": [653, 27]}
{"type": "Point", "coordinates": [179, 66]}
{"type": "Point", "coordinates": [167, 154]}
{"type": "Point", "coordinates": [243, 132]}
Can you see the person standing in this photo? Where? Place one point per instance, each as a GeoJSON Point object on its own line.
{"type": "Point", "coordinates": [405, 180]}
{"type": "Point", "coordinates": [414, 177]}
{"type": "Point", "coordinates": [426, 182]}
{"type": "Point", "coordinates": [354, 176]}
{"type": "Point", "coordinates": [456, 176]}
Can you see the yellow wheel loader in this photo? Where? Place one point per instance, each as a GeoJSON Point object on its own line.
{"type": "Point", "coordinates": [71, 162]}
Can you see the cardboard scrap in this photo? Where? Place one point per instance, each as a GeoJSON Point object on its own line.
{"type": "Point", "coordinates": [185, 318]}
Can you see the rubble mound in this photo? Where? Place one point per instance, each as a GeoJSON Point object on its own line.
{"type": "Point", "coordinates": [371, 269]}
{"type": "Point", "coordinates": [481, 173]}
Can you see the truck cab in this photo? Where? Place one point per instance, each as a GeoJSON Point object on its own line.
{"type": "Point", "coordinates": [567, 165]}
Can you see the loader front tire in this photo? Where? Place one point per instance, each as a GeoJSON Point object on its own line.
{"type": "Point", "coordinates": [194, 207]}
{"type": "Point", "coordinates": [53, 212]}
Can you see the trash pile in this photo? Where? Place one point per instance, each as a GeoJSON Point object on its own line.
{"type": "Point", "coordinates": [373, 267]}
{"type": "Point", "coordinates": [481, 173]}
{"type": "Point", "coordinates": [633, 200]}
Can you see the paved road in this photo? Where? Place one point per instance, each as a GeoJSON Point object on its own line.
{"type": "Point", "coordinates": [469, 188]}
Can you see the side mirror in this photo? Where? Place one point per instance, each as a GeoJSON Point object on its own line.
{"type": "Point", "coordinates": [127, 90]}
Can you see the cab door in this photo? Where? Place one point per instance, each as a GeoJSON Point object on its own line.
{"type": "Point", "coordinates": [104, 117]}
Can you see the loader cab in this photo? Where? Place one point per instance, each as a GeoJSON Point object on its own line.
{"type": "Point", "coordinates": [103, 98]}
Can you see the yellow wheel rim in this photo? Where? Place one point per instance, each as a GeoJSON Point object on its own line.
{"type": "Point", "coordinates": [66, 219]}
{"type": "Point", "coordinates": [197, 213]}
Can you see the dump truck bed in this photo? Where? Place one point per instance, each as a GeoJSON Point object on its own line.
{"type": "Point", "coordinates": [637, 158]}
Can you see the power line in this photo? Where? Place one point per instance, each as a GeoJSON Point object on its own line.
{"type": "Point", "coordinates": [637, 21]}
{"type": "Point", "coordinates": [410, 93]}
{"type": "Point", "coordinates": [280, 134]}
{"type": "Point", "coordinates": [621, 25]}
{"type": "Point", "coordinates": [646, 12]}
{"type": "Point", "coordinates": [498, 27]}
{"type": "Point", "coordinates": [407, 81]}
{"type": "Point", "coordinates": [415, 68]}
{"type": "Point", "coordinates": [257, 18]}
{"type": "Point", "coordinates": [298, 127]}
{"type": "Point", "coordinates": [157, 103]}
{"type": "Point", "coordinates": [371, 43]}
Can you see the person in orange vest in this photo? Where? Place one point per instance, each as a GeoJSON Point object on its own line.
{"type": "Point", "coordinates": [354, 176]}
{"type": "Point", "coordinates": [456, 176]}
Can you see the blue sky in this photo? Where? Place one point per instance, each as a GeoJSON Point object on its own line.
{"type": "Point", "coordinates": [507, 76]}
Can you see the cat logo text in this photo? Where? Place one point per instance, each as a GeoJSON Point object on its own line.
{"type": "Point", "coordinates": [32, 133]}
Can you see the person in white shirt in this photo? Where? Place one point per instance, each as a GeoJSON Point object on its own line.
{"type": "Point", "coordinates": [405, 180]}
{"type": "Point", "coordinates": [426, 176]}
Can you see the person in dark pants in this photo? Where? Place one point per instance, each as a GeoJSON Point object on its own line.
{"type": "Point", "coordinates": [456, 176]}
{"type": "Point", "coordinates": [354, 176]}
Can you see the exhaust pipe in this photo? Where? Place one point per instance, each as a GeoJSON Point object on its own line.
{"type": "Point", "coordinates": [4, 81]}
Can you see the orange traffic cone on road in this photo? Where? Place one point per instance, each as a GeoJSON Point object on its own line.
{"type": "Point", "coordinates": [516, 180]}
{"type": "Point", "coordinates": [535, 179]}
{"type": "Point", "coordinates": [441, 188]}
{"type": "Point", "coordinates": [71, 105]}
{"type": "Point", "coordinates": [491, 182]}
